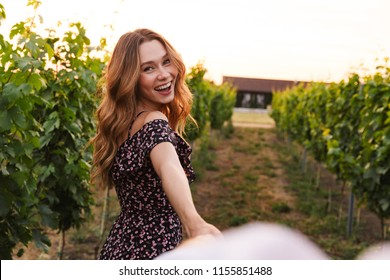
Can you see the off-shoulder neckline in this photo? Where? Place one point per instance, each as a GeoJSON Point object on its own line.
{"type": "Point", "coordinates": [143, 127]}
{"type": "Point", "coordinates": [130, 138]}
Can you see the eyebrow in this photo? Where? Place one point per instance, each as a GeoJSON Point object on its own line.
{"type": "Point", "coordinates": [151, 62]}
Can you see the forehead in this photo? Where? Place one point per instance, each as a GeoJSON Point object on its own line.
{"type": "Point", "coordinates": [151, 51]}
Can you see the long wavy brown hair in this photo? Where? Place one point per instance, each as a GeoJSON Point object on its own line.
{"type": "Point", "coordinates": [118, 106]}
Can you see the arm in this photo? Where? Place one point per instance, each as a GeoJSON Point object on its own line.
{"type": "Point", "coordinates": [175, 184]}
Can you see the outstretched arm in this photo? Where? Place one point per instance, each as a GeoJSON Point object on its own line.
{"type": "Point", "coordinates": [175, 184]}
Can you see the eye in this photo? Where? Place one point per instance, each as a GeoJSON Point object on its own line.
{"type": "Point", "coordinates": [148, 69]}
{"type": "Point", "coordinates": [167, 61]}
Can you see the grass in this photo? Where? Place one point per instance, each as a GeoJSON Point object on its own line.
{"type": "Point", "coordinates": [280, 207]}
{"type": "Point", "coordinates": [252, 117]}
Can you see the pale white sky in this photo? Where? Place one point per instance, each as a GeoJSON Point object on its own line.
{"type": "Point", "coordinates": [278, 39]}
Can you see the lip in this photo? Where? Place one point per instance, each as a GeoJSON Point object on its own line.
{"type": "Point", "coordinates": [164, 84]}
{"type": "Point", "coordinates": [165, 91]}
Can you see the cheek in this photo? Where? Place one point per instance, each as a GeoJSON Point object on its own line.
{"type": "Point", "coordinates": [145, 81]}
{"type": "Point", "coordinates": [174, 71]}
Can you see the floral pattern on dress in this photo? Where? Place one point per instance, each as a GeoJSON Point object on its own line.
{"type": "Point", "coordinates": [147, 224]}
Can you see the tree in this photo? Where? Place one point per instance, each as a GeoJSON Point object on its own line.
{"type": "Point", "coordinates": [46, 119]}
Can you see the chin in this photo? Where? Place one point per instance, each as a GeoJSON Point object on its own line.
{"type": "Point", "coordinates": [168, 99]}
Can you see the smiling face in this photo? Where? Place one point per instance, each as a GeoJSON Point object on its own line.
{"type": "Point", "coordinates": [158, 76]}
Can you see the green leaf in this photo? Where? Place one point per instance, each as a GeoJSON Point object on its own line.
{"type": "Point", "coordinates": [384, 203]}
{"type": "Point", "coordinates": [18, 117]}
{"type": "Point", "coordinates": [34, 3]}
{"type": "Point", "coordinates": [18, 28]}
{"type": "Point", "coordinates": [37, 81]}
{"type": "Point", "coordinates": [20, 177]}
{"type": "Point", "coordinates": [45, 139]}
{"type": "Point", "coordinates": [11, 92]}
{"type": "Point", "coordinates": [48, 171]}
{"type": "Point", "coordinates": [69, 113]}
{"type": "Point", "coordinates": [33, 45]}
{"type": "Point", "coordinates": [10, 150]}
{"type": "Point", "coordinates": [5, 201]}
{"type": "Point", "coordinates": [26, 104]}
{"type": "Point", "coordinates": [48, 216]}
{"type": "Point", "coordinates": [24, 63]}
{"type": "Point", "coordinates": [41, 241]}
{"type": "Point", "coordinates": [35, 142]}
{"type": "Point", "coordinates": [84, 165]}
{"type": "Point", "coordinates": [52, 123]}
{"type": "Point", "coordinates": [20, 253]}
{"type": "Point", "coordinates": [2, 13]}
{"type": "Point", "coordinates": [5, 121]}
{"type": "Point", "coordinates": [49, 50]}
{"type": "Point", "coordinates": [4, 167]}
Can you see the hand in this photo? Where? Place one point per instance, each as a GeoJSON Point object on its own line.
{"type": "Point", "coordinates": [202, 228]}
{"type": "Point", "coordinates": [205, 233]}
{"type": "Point", "coordinates": [198, 240]}
{"type": "Point", "coordinates": [207, 229]}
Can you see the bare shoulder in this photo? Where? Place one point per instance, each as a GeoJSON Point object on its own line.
{"type": "Point", "coordinates": [154, 115]}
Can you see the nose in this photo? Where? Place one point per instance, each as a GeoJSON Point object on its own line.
{"type": "Point", "coordinates": [163, 73]}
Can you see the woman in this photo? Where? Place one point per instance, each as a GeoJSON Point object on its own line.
{"type": "Point", "coordinates": [139, 150]}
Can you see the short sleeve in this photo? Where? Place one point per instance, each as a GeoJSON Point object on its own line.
{"type": "Point", "coordinates": [155, 132]}
{"type": "Point", "coordinates": [159, 131]}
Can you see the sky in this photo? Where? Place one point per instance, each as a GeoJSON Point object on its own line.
{"type": "Point", "coordinates": [300, 40]}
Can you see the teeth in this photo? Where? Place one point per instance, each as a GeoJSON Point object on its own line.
{"type": "Point", "coordinates": [164, 86]}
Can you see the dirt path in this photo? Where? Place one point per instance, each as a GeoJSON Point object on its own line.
{"type": "Point", "coordinates": [248, 181]}
{"type": "Point", "coordinates": [254, 125]}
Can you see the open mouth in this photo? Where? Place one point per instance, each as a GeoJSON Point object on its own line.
{"type": "Point", "coordinates": [165, 87]}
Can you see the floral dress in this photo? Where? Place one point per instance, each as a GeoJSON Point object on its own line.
{"type": "Point", "coordinates": [147, 224]}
